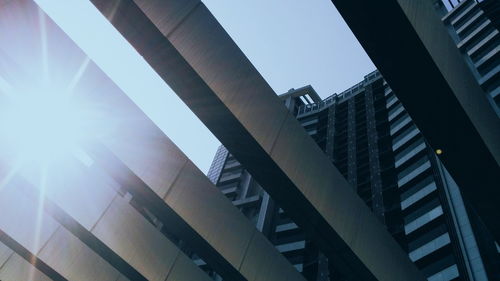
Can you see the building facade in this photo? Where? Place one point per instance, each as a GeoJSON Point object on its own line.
{"type": "Point", "coordinates": [475, 27]}
{"type": "Point", "coordinates": [371, 139]}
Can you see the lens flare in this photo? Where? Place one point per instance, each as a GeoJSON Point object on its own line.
{"type": "Point", "coordinates": [41, 125]}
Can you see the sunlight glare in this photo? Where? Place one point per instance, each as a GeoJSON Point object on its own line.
{"type": "Point", "coordinates": [41, 125]}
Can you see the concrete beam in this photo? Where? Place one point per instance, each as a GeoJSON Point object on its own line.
{"type": "Point", "coordinates": [188, 48]}
{"type": "Point", "coordinates": [410, 46]}
{"type": "Point", "coordinates": [76, 225]}
{"type": "Point", "coordinates": [192, 209]}
{"type": "Point", "coordinates": [154, 171]}
{"type": "Point", "coordinates": [18, 263]}
{"type": "Point", "coordinates": [43, 241]}
{"type": "Point", "coordinates": [25, 266]}
{"type": "Point", "coordinates": [146, 163]}
{"type": "Point", "coordinates": [117, 244]}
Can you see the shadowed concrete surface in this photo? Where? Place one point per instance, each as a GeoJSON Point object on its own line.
{"type": "Point", "coordinates": [410, 46]}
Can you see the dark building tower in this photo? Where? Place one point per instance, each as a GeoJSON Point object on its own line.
{"type": "Point", "coordinates": [370, 138]}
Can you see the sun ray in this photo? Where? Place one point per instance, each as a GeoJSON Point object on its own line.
{"type": "Point", "coordinates": [42, 187]}
{"type": "Point", "coordinates": [44, 47]}
{"type": "Point", "coordinates": [6, 88]}
{"type": "Point", "coordinates": [114, 10]}
{"type": "Point", "coordinates": [76, 78]}
{"type": "Point", "coordinates": [12, 172]}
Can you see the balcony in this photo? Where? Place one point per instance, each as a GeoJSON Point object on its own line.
{"type": "Point", "coordinates": [449, 273]}
{"type": "Point", "coordinates": [406, 136]}
{"type": "Point", "coordinates": [418, 195]}
{"type": "Point", "coordinates": [423, 220]}
{"type": "Point", "coordinates": [430, 247]}
{"type": "Point", "coordinates": [286, 227]}
{"type": "Point", "coordinates": [409, 152]}
{"type": "Point", "coordinates": [399, 124]}
{"type": "Point", "coordinates": [294, 246]}
{"type": "Point", "coordinates": [417, 171]}
{"type": "Point", "coordinates": [247, 202]}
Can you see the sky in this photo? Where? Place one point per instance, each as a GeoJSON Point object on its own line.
{"type": "Point", "coordinates": [292, 43]}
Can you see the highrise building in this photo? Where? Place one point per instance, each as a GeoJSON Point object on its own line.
{"type": "Point", "coordinates": [474, 25]}
{"type": "Point", "coordinates": [371, 139]}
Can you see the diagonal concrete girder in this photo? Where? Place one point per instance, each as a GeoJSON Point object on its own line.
{"type": "Point", "coordinates": [76, 227]}
{"type": "Point", "coordinates": [412, 49]}
{"type": "Point", "coordinates": [90, 232]}
{"type": "Point", "coordinates": [36, 229]}
{"type": "Point", "coordinates": [44, 239]}
{"type": "Point", "coordinates": [87, 204]}
{"type": "Point", "coordinates": [188, 48]}
{"type": "Point", "coordinates": [143, 161]}
{"type": "Point", "coordinates": [14, 266]}
{"type": "Point", "coordinates": [147, 164]}
{"type": "Point", "coordinates": [18, 263]}
{"type": "Point", "coordinates": [195, 211]}
{"type": "Point", "coordinates": [156, 172]}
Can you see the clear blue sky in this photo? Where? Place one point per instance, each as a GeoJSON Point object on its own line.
{"type": "Point", "coordinates": [295, 42]}
{"type": "Point", "coordinates": [291, 42]}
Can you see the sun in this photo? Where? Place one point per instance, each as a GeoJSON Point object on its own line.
{"type": "Point", "coordinates": [42, 124]}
